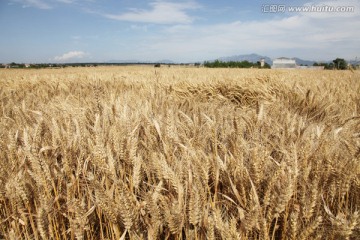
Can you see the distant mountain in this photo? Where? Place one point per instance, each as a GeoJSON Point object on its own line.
{"type": "Point", "coordinates": [248, 57]}
{"type": "Point", "coordinates": [304, 62]}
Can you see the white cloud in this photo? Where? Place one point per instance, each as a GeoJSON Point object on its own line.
{"type": "Point", "coordinates": [295, 34]}
{"type": "Point", "coordinates": [160, 13]}
{"type": "Point", "coordinates": [70, 56]}
{"type": "Point", "coordinates": [315, 35]}
{"type": "Point", "coordinates": [40, 4]}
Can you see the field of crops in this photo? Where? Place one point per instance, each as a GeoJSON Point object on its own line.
{"type": "Point", "coordinates": [179, 153]}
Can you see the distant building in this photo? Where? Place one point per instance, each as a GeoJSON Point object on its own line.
{"type": "Point", "coordinates": [284, 63]}
{"type": "Point", "coordinates": [262, 62]}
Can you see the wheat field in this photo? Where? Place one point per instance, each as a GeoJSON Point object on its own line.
{"type": "Point", "coordinates": [179, 153]}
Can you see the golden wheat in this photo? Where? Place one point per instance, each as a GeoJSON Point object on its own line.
{"type": "Point", "coordinates": [179, 153]}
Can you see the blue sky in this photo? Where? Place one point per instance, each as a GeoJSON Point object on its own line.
{"type": "Point", "coordinates": [183, 31]}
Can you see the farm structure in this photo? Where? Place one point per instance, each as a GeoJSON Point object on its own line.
{"type": "Point", "coordinates": [284, 62]}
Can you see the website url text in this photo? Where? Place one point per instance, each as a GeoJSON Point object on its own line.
{"type": "Point", "coordinates": [279, 8]}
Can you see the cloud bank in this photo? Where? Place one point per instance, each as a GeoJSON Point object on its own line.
{"type": "Point", "coordinates": [70, 56]}
{"type": "Point", "coordinates": [161, 12]}
{"type": "Point", "coordinates": [311, 35]}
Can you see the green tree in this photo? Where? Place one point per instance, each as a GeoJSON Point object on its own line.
{"type": "Point", "coordinates": [340, 63]}
{"type": "Point", "coordinates": [266, 65]}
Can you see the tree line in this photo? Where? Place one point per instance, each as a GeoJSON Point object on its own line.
{"type": "Point", "coordinates": [338, 63]}
{"type": "Point", "coordinates": [234, 64]}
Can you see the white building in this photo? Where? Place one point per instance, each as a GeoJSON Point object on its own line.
{"type": "Point", "coordinates": [284, 63]}
{"type": "Point", "coordinates": [262, 63]}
